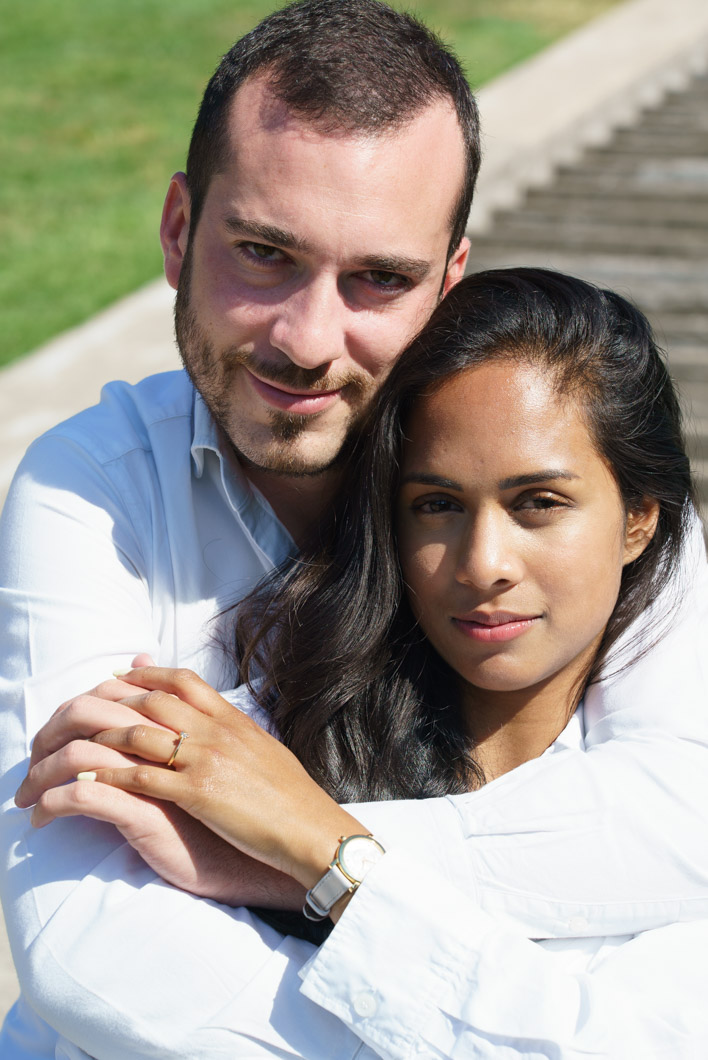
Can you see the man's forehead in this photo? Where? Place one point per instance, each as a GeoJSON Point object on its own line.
{"type": "Point", "coordinates": [257, 109]}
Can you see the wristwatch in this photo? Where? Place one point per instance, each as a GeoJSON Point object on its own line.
{"type": "Point", "coordinates": [355, 855]}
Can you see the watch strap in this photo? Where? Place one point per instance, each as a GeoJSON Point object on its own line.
{"type": "Point", "coordinates": [326, 892]}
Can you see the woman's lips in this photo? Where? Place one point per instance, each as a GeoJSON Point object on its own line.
{"type": "Point", "coordinates": [305, 402]}
{"type": "Point", "coordinates": [495, 628]}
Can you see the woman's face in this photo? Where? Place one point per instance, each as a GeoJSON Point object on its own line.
{"type": "Point", "coordinates": [512, 533]}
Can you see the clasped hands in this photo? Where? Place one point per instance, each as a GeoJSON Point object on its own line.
{"type": "Point", "coordinates": [277, 829]}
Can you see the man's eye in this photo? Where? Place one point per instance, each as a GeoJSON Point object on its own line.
{"type": "Point", "coordinates": [387, 281]}
{"type": "Point", "coordinates": [262, 252]}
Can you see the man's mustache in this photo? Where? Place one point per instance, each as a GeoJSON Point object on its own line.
{"type": "Point", "coordinates": [294, 375]}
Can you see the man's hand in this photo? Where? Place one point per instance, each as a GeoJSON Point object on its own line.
{"type": "Point", "coordinates": [178, 848]}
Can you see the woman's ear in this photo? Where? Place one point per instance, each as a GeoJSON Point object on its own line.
{"type": "Point", "coordinates": [640, 528]}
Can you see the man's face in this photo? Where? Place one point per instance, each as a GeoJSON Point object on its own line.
{"type": "Point", "coordinates": [315, 260]}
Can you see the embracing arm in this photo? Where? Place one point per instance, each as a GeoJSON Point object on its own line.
{"type": "Point", "coordinates": [413, 966]}
{"type": "Point", "coordinates": [76, 602]}
{"type": "Point", "coordinates": [439, 978]}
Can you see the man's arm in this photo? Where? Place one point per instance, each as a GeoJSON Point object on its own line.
{"type": "Point", "coordinates": [438, 977]}
{"type": "Point", "coordinates": [83, 587]}
{"type": "Point", "coordinates": [413, 967]}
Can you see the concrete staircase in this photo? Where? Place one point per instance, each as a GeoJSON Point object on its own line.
{"type": "Point", "coordinates": [632, 214]}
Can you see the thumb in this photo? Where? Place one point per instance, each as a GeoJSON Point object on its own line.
{"type": "Point", "coordinates": [143, 659]}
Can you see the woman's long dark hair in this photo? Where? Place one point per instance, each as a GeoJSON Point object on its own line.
{"type": "Point", "coordinates": [329, 644]}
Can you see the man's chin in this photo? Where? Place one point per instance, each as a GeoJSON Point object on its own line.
{"type": "Point", "coordinates": [290, 460]}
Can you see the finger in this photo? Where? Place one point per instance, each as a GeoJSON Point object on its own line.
{"type": "Point", "coordinates": [81, 718]}
{"type": "Point", "coordinates": [152, 781]}
{"type": "Point", "coordinates": [184, 684]}
{"type": "Point", "coordinates": [63, 765]}
{"type": "Point", "coordinates": [166, 710]}
{"type": "Point", "coordinates": [112, 690]}
{"type": "Point", "coordinates": [82, 798]}
{"type": "Point", "coordinates": [145, 742]}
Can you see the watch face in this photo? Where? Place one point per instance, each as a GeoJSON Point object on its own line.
{"type": "Point", "coordinates": [358, 854]}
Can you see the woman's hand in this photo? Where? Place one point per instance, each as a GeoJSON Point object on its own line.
{"type": "Point", "coordinates": [228, 773]}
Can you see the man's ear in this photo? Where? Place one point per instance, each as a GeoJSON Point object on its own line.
{"type": "Point", "coordinates": [640, 528]}
{"type": "Point", "coordinates": [456, 265]}
{"type": "Point", "coordinates": [174, 227]}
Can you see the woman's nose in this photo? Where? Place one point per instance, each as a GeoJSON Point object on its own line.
{"type": "Point", "coordinates": [489, 554]}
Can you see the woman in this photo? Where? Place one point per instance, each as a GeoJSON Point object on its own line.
{"type": "Point", "coordinates": [531, 440]}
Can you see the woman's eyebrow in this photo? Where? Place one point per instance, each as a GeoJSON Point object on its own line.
{"type": "Point", "coordinates": [424, 479]}
{"type": "Point", "coordinates": [535, 476]}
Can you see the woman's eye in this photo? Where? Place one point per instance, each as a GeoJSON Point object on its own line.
{"type": "Point", "coordinates": [540, 502]}
{"type": "Point", "coordinates": [436, 506]}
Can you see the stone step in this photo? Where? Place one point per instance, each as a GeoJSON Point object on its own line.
{"type": "Point", "coordinates": [612, 183]}
{"type": "Point", "coordinates": [694, 398]}
{"type": "Point", "coordinates": [658, 177]}
{"type": "Point", "coordinates": [544, 206]}
{"type": "Point", "coordinates": [687, 353]}
{"type": "Point", "coordinates": [689, 141]}
{"type": "Point", "coordinates": [673, 117]}
{"type": "Point", "coordinates": [682, 327]}
{"type": "Point", "coordinates": [577, 232]}
{"type": "Point", "coordinates": [685, 374]}
{"type": "Point", "coordinates": [650, 281]}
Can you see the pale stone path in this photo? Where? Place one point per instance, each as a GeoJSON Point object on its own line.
{"type": "Point", "coordinates": [544, 112]}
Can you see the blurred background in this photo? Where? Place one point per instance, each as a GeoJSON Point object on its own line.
{"type": "Point", "coordinates": [97, 101]}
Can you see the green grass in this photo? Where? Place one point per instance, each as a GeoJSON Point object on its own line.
{"type": "Point", "coordinates": [96, 105]}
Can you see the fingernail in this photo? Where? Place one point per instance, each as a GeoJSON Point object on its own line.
{"type": "Point", "coordinates": [121, 673]}
{"type": "Point", "coordinates": [88, 775]}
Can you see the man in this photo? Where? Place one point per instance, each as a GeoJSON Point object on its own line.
{"type": "Point", "coordinates": [321, 218]}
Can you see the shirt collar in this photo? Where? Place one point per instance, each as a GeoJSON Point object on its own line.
{"type": "Point", "coordinates": [205, 435]}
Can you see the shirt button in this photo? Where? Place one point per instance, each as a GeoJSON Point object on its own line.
{"type": "Point", "coordinates": [578, 924]}
{"type": "Point", "coordinates": [365, 1004]}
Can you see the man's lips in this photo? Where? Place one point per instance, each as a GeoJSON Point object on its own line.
{"type": "Point", "coordinates": [287, 399]}
{"type": "Point", "coordinates": [495, 627]}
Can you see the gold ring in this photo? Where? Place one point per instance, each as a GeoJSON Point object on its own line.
{"type": "Point", "coordinates": [180, 740]}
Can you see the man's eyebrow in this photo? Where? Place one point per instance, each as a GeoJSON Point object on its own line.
{"type": "Point", "coordinates": [266, 233]}
{"type": "Point", "coordinates": [421, 478]}
{"type": "Point", "coordinates": [535, 476]}
{"type": "Point", "coordinates": [416, 267]}
{"type": "Point", "coordinates": [281, 237]}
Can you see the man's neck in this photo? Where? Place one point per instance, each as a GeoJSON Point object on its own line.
{"type": "Point", "coordinates": [297, 500]}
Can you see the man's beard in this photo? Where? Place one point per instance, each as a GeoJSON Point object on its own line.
{"type": "Point", "coordinates": [212, 373]}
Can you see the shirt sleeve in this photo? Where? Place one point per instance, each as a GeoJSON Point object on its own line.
{"type": "Point", "coordinates": [441, 978]}
{"type": "Point", "coordinates": [113, 962]}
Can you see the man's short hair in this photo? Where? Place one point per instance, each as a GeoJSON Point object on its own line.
{"type": "Point", "coordinates": [346, 65]}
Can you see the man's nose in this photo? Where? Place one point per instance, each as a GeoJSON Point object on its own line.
{"type": "Point", "coordinates": [309, 327]}
{"type": "Point", "coordinates": [489, 556]}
